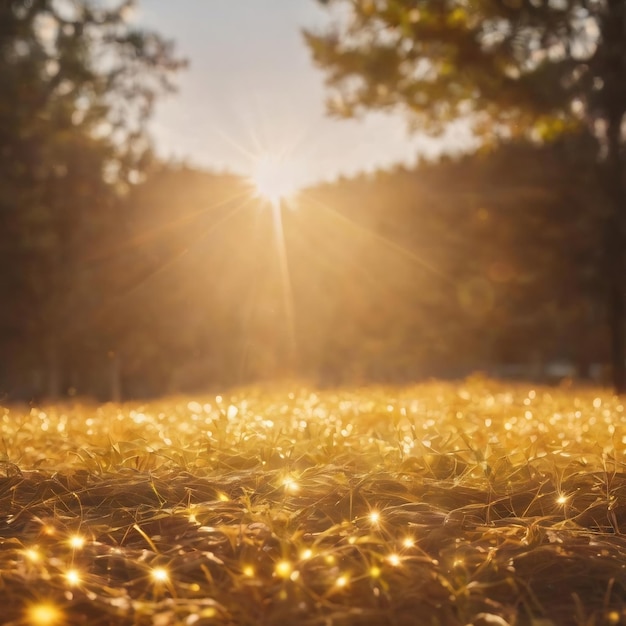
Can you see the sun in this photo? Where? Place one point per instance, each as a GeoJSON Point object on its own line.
{"type": "Point", "coordinates": [274, 178]}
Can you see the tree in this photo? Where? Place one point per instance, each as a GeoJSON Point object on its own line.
{"type": "Point", "coordinates": [536, 68]}
{"type": "Point", "coordinates": [78, 86]}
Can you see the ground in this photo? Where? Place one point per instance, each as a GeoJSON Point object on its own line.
{"type": "Point", "coordinates": [440, 504]}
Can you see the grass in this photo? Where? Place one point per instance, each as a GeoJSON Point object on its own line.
{"type": "Point", "coordinates": [441, 504]}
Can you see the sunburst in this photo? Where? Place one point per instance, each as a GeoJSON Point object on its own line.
{"type": "Point", "coordinates": [275, 178]}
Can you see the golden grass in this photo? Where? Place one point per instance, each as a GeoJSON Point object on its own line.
{"type": "Point", "coordinates": [473, 503]}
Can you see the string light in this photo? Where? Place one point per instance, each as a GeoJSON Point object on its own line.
{"type": "Point", "coordinates": [394, 559]}
{"type": "Point", "coordinates": [562, 499]}
{"type": "Point", "coordinates": [408, 542]}
{"type": "Point", "coordinates": [374, 517]}
{"type": "Point", "coordinates": [248, 571]}
{"type": "Point", "coordinates": [374, 571]}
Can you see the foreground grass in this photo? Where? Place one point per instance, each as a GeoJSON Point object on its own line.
{"type": "Point", "coordinates": [439, 504]}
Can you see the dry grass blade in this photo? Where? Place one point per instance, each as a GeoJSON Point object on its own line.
{"type": "Point", "coordinates": [472, 504]}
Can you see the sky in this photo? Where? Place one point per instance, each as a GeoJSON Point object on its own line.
{"type": "Point", "coordinates": [251, 88]}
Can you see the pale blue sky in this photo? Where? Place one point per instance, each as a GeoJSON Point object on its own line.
{"type": "Point", "coordinates": [251, 85]}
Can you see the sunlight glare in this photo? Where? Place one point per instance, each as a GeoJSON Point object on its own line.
{"type": "Point", "coordinates": [274, 178]}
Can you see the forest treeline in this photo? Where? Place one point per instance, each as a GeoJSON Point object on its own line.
{"type": "Point", "coordinates": [481, 262]}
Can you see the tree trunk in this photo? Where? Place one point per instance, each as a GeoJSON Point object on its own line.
{"type": "Point", "coordinates": [115, 370]}
{"type": "Point", "coordinates": [53, 366]}
{"type": "Point", "coordinates": [615, 255]}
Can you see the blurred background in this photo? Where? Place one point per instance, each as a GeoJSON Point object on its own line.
{"type": "Point", "coordinates": [140, 258]}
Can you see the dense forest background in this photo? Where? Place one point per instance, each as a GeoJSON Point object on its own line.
{"type": "Point", "coordinates": [123, 276]}
{"type": "Point", "coordinates": [485, 262]}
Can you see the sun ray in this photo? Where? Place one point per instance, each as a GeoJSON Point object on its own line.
{"type": "Point", "coordinates": [390, 244]}
{"type": "Point", "coordinates": [287, 291]}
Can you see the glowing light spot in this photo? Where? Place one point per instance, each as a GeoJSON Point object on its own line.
{"type": "Point", "coordinates": [306, 554]}
{"type": "Point", "coordinates": [77, 542]}
{"type": "Point", "coordinates": [222, 497]}
{"type": "Point", "coordinates": [44, 614]}
{"type": "Point", "coordinates": [73, 577]}
{"type": "Point", "coordinates": [283, 569]}
{"type": "Point", "coordinates": [394, 559]}
{"type": "Point", "coordinates": [248, 571]}
{"type": "Point", "coordinates": [160, 575]}
{"type": "Point", "coordinates": [375, 571]}
{"type": "Point", "coordinates": [342, 581]}
{"type": "Point", "coordinates": [562, 499]}
{"type": "Point", "coordinates": [408, 542]}
{"type": "Point", "coordinates": [33, 555]}
{"type": "Point", "coordinates": [291, 485]}
{"type": "Point", "coordinates": [232, 411]}
{"type": "Point", "coordinates": [458, 562]}
{"type": "Point", "coordinates": [374, 517]}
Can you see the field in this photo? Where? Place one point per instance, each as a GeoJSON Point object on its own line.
{"type": "Point", "coordinates": [440, 504]}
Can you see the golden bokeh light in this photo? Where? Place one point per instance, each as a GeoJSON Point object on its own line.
{"type": "Point", "coordinates": [73, 577]}
{"type": "Point", "coordinates": [32, 554]}
{"type": "Point", "coordinates": [342, 581]}
{"type": "Point", "coordinates": [283, 569]}
{"type": "Point", "coordinates": [44, 614]}
{"type": "Point", "coordinates": [306, 554]}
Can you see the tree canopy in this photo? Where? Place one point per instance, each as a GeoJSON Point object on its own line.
{"type": "Point", "coordinates": [510, 68]}
{"type": "Point", "coordinates": [79, 83]}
